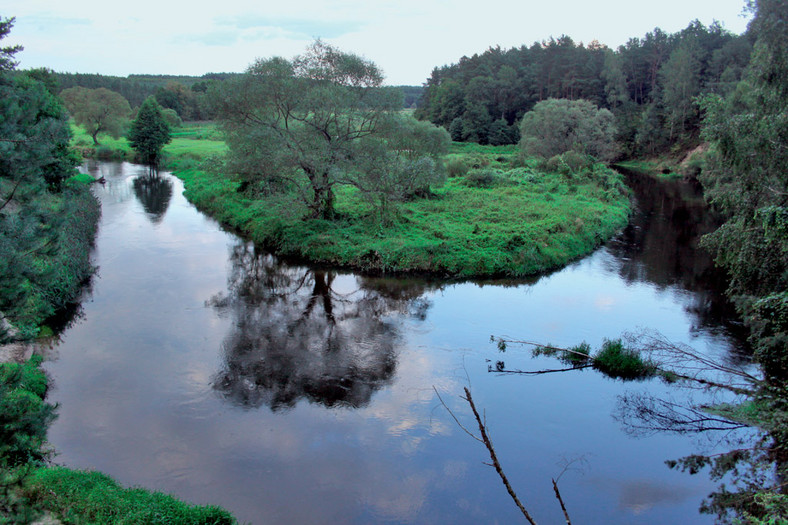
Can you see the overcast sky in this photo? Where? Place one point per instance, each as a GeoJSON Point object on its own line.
{"type": "Point", "coordinates": [406, 38]}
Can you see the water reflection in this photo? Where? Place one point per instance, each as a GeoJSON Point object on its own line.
{"type": "Point", "coordinates": [300, 333]}
{"type": "Point", "coordinates": [154, 193]}
{"type": "Point", "coordinates": [661, 246]}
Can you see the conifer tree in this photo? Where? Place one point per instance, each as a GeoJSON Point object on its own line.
{"type": "Point", "coordinates": [149, 132]}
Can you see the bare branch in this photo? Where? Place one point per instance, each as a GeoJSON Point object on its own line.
{"type": "Point", "coordinates": [494, 457]}
{"type": "Point", "coordinates": [455, 417]}
{"type": "Point", "coordinates": [561, 501]}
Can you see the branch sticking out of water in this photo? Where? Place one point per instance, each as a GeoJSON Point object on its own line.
{"type": "Point", "coordinates": [495, 463]}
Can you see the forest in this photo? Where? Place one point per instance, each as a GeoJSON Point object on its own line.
{"type": "Point", "coordinates": [649, 84]}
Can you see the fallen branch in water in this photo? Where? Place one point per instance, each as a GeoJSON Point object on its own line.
{"type": "Point", "coordinates": [494, 457]}
{"type": "Point", "coordinates": [485, 438]}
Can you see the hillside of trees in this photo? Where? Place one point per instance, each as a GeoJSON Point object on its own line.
{"type": "Point", "coordinates": [649, 84]}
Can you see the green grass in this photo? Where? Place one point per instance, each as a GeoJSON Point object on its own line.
{"type": "Point", "coordinates": [528, 223]}
{"type": "Point", "coordinates": [619, 362]}
{"type": "Point", "coordinates": [191, 142]}
{"type": "Point", "coordinates": [91, 497]}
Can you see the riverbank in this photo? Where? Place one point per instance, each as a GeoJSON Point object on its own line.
{"type": "Point", "coordinates": [31, 489]}
{"type": "Point", "coordinates": [46, 255]}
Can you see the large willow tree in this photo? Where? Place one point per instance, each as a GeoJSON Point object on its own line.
{"type": "Point", "coordinates": [307, 124]}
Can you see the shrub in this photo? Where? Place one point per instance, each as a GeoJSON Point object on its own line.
{"type": "Point", "coordinates": [482, 178]}
{"type": "Point", "coordinates": [568, 163]}
{"type": "Point", "coordinates": [456, 168]}
{"type": "Point", "coordinates": [616, 361]}
{"type": "Point", "coordinates": [556, 126]}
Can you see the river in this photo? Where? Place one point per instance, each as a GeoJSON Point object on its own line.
{"type": "Point", "coordinates": [202, 367]}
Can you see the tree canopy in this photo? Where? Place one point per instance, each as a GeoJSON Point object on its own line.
{"type": "Point", "coordinates": [307, 124]}
{"type": "Point", "coordinates": [149, 132]}
{"type": "Point", "coordinates": [556, 126]}
{"type": "Point", "coordinates": [97, 110]}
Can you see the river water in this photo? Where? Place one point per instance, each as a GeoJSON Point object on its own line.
{"type": "Point", "coordinates": [202, 367]}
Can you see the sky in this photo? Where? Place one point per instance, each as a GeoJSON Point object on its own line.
{"type": "Point", "coordinates": [407, 39]}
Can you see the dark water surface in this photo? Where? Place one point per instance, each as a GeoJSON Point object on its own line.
{"type": "Point", "coordinates": [207, 369]}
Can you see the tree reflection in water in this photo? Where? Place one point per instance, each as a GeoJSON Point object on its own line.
{"type": "Point", "coordinates": [298, 333]}
{"type": "Point", "coordinates": [154, 193]}
{"type": "Point", "coordinates": [661, 246]}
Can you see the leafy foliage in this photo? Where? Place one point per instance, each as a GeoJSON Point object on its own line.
{"type": "Point", "coordinates": [320, 120]}
{"type": "Point", "coordinates": [97, 110]}
{"type": "Point", "coordinates": [745, 178]}
{"type": "Point", "coordinates": [648, 83]}
{"type": "Point", "coordinates": [556, 126]}
{"type": "Point", "coordinates": [47, 224]}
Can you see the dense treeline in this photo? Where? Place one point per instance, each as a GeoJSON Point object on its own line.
{"type": "Point", "coordinates": [183, 94]}
{"type": "Point", "coordinates": [648, 83]}
{"type": "Point", "coordinates": [186, 95]}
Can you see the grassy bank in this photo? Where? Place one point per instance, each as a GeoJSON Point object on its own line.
{"type": "Point", "coordinates": [523, 222]}
{"type": "Point", "coordinates": [28, 487]}
{"type": "Point", "coordinates": [497, 215]}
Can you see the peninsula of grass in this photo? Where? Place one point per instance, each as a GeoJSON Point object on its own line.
{"type": "Point", "coordinates": [486, 221]}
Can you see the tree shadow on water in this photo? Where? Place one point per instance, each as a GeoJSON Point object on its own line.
{"type": "Point", "coordinates": [154, 193]}
{"type": "Point", "coordinates": [302, 333]}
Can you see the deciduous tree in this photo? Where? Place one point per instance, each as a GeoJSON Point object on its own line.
{"type": "Point", "coordinates": [310, 123]}
{"type": "Point", "coordinates": [97, 110]}
{"type": "Point", "coordinates": [556, 126]}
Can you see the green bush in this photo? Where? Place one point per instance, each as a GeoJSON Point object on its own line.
{"type": "Point", "coordinates": [24, 416]}
{"type": "Point", "coordinates": [483, 178]}
{"type": "Point", "coordinates": [456, 168]}
{"type": "Point", "coordinates": [568, 163]}
{"type": "Point", "coordinates": [616, 361]}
